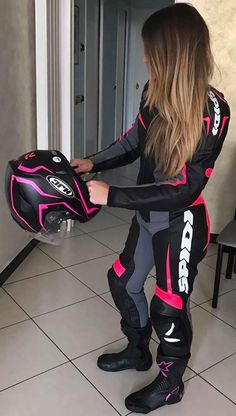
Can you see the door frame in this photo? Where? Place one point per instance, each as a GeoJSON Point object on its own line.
{"type": "Point", "coordinates": [54, 42]}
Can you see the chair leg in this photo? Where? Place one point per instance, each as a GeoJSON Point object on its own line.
{"type": "Point", "coordinates": [230, 266]}
{"type": "Point", "coordinates": [234, 264]}
{"type": "Point", "coordinates": [217, 276]}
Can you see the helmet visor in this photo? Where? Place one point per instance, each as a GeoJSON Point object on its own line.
{"type": "Point", "coordinates": [54, 229]}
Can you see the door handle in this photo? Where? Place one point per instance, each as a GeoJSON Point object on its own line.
{"type": "Point", "coordinates": [79, 99]}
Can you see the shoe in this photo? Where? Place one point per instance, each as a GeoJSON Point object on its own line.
{"type": "Point", "coordinates": [166, 389]}
{"type": "Point", "coordinates": [136, 355]}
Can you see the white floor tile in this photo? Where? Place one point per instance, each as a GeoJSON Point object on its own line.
{"type": "Point", "coordinates": [48, 292]}
{"type": "Point", "coordinates": [94, 272]}
{"type": "Point", "coordinates": [74, 231]}
{"type": "Point", "coordinates": [211, 261]}
{"type": "Point", "coordinates": [112, 178]}
{"type": "Point", "coordinates": [204, 284]}
{"type": "Point", "coordinates": [24, 352]}
{"type": "Point", "coordinates": [222, 376]}
{"type": "Point", "coordinates": [113, 237]}
{"type": "Point", "coordinates": [226, 308]}
{"type": "Point", "coordinates": [83, 327]}
{"type": "Point", "coordinates": [212, 249]}
{"type": "Point", "coordinates": [125, 214]}
{"type": "Point", "coordinates": [102, 221]}
{"type": "Point", "coordinates": [10, 312]}
{"type": "Point", "coordinates": [35, 263]}
{"type": "Point", "coordinates": [209, 340]}
{"type": "Point", "coordinates": [59, 392]}
{"type": "Point", "coordinates": [116, 386]}
{"type": "Point", "coordinates": [200, 399]}
{"type": "Point", "coordinates": [76, 250]}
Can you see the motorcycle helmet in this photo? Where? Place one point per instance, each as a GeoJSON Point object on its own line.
{"type": "Point", "coordinates": [43, 191]}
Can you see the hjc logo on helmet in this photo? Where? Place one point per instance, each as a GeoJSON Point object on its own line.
{"type": "Point", "coordinates": [184, 256]}
{"type": "Point", "coordinates": [60, 186]}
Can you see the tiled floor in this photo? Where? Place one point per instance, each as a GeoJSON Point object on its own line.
{"type": "Point", "coordinates": [57, 316]}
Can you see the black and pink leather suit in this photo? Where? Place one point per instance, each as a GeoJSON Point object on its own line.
{"type": "Point", "coordinates": [170, 228]}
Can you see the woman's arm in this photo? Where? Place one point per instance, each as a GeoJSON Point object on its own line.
{"type": "Point", "coordinates": [121, 152]}
{"type": "Point", "coordinates": [185, 189]}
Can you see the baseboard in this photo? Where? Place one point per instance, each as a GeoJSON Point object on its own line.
{"type": "Point", "coordinates": [6, 273]}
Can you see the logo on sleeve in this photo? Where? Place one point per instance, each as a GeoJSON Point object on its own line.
{"type": "Point", "coordinates": [216, 111]}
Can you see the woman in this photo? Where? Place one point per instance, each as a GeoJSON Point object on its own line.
{"type": "Point", "coordinates": [178, 135]}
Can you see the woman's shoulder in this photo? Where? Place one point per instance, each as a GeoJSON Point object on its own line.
{"type": "Point", "coordinates": [217, 101]}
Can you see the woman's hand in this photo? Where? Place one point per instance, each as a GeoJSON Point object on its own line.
{"type": "Point", "coordinates": [98, 192]}
{"type": "Point", "coordinates": [82, 165]}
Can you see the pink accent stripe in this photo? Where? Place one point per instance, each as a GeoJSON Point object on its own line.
{"type": "Point", "coordinates": [208, 121]}
{"type": "Point", "coordinates": [198, 201]}
{"type": "Point", "coordinates": [29, 182]}
{"type": "Point", "coordinates": [181, 181]}
{"type": "Point", "coordinates": [32, 170]}
{"type": "Point", "coordinates": [168, 273]}
{"type": "Point", "coordinates": [208, 227]}
{"type": "Point", "coordinates": [201, 200]}
{"type": "Point", "coordinates": [141, 121]}
{"type": "Point", "coordinates": [127, 132]}
{"type": "Point", "coordinates": [119, 269]}
{"type": "Point", "coordinates": [225, 118]}
{"type": "Point", "coordinates": [87, 210]}
{"type": "Point", "coordinates": [208, 172]}
{"type": "Point", "coordinates": [13, 206]}
{"type": "Point", "coordinates": [170, 298]}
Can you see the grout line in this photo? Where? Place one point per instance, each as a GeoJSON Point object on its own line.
{"type": "Point", "coordinates": [71, 265]}
{"type": "Point", "coordinates": [218, 362]}
{"type": "Point", "coordinates": [96, 388]}
{"type": "Point", "coordinates": [96, 349]}
{"type": "Point", "coordinates": [62, 352]}
{"type": "Point", "coordinates": [106, 227]}
{"type": "Point", "coordinates": [34, 376]}
{"type": "Point", "coordinates": [15, 323]}
{"type": "Point", "coordinates": [216, 389]}
{"type": "Point", "coordinates": [87, 261]}
{"type": "Point", "coordinates": [31, 277]}
{"type": "Point", "coordinates": [220, 295]}
{"type": "Point", "coordinates": [62, 307]}
{"type": "Point", "coordinates": [219, 319]}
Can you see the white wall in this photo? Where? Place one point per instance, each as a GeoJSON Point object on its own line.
{"type": "Point", "coordinates": [17, 107]}
{"type": "Point", "coordinates": [220, 192]}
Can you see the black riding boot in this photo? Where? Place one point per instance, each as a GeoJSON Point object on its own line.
{"type": "Point", "coordinates": [167, 388]}
{"type": "Point", "coordinates": [136, 355]}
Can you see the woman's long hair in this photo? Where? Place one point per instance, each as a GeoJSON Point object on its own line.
{"type": "Point", "coordinates": [180, 65]}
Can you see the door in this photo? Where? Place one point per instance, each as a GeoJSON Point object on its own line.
{"type": "Point", "coordinates": [137, 72]}
{"type": "Point", "coordinates": [112, 69]}
{"type": "Point", "coordinates": [79, 78]}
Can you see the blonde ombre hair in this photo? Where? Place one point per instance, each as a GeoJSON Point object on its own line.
{"type": "Point", "coordinates": [180, 65]}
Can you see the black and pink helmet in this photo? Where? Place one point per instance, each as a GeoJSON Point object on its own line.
{"type": "Point", "coordinates": [43, 190]}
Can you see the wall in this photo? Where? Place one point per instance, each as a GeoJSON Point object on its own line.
{"type": "Point", "coordinates": [17, 106]}
{"type": "Point", "coordinates": [220, 192]}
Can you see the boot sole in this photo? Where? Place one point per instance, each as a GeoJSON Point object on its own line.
{"type": "Point", "coordinates": [143, 367]}
{"type": "Point", "coordinates": [145, 410]}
